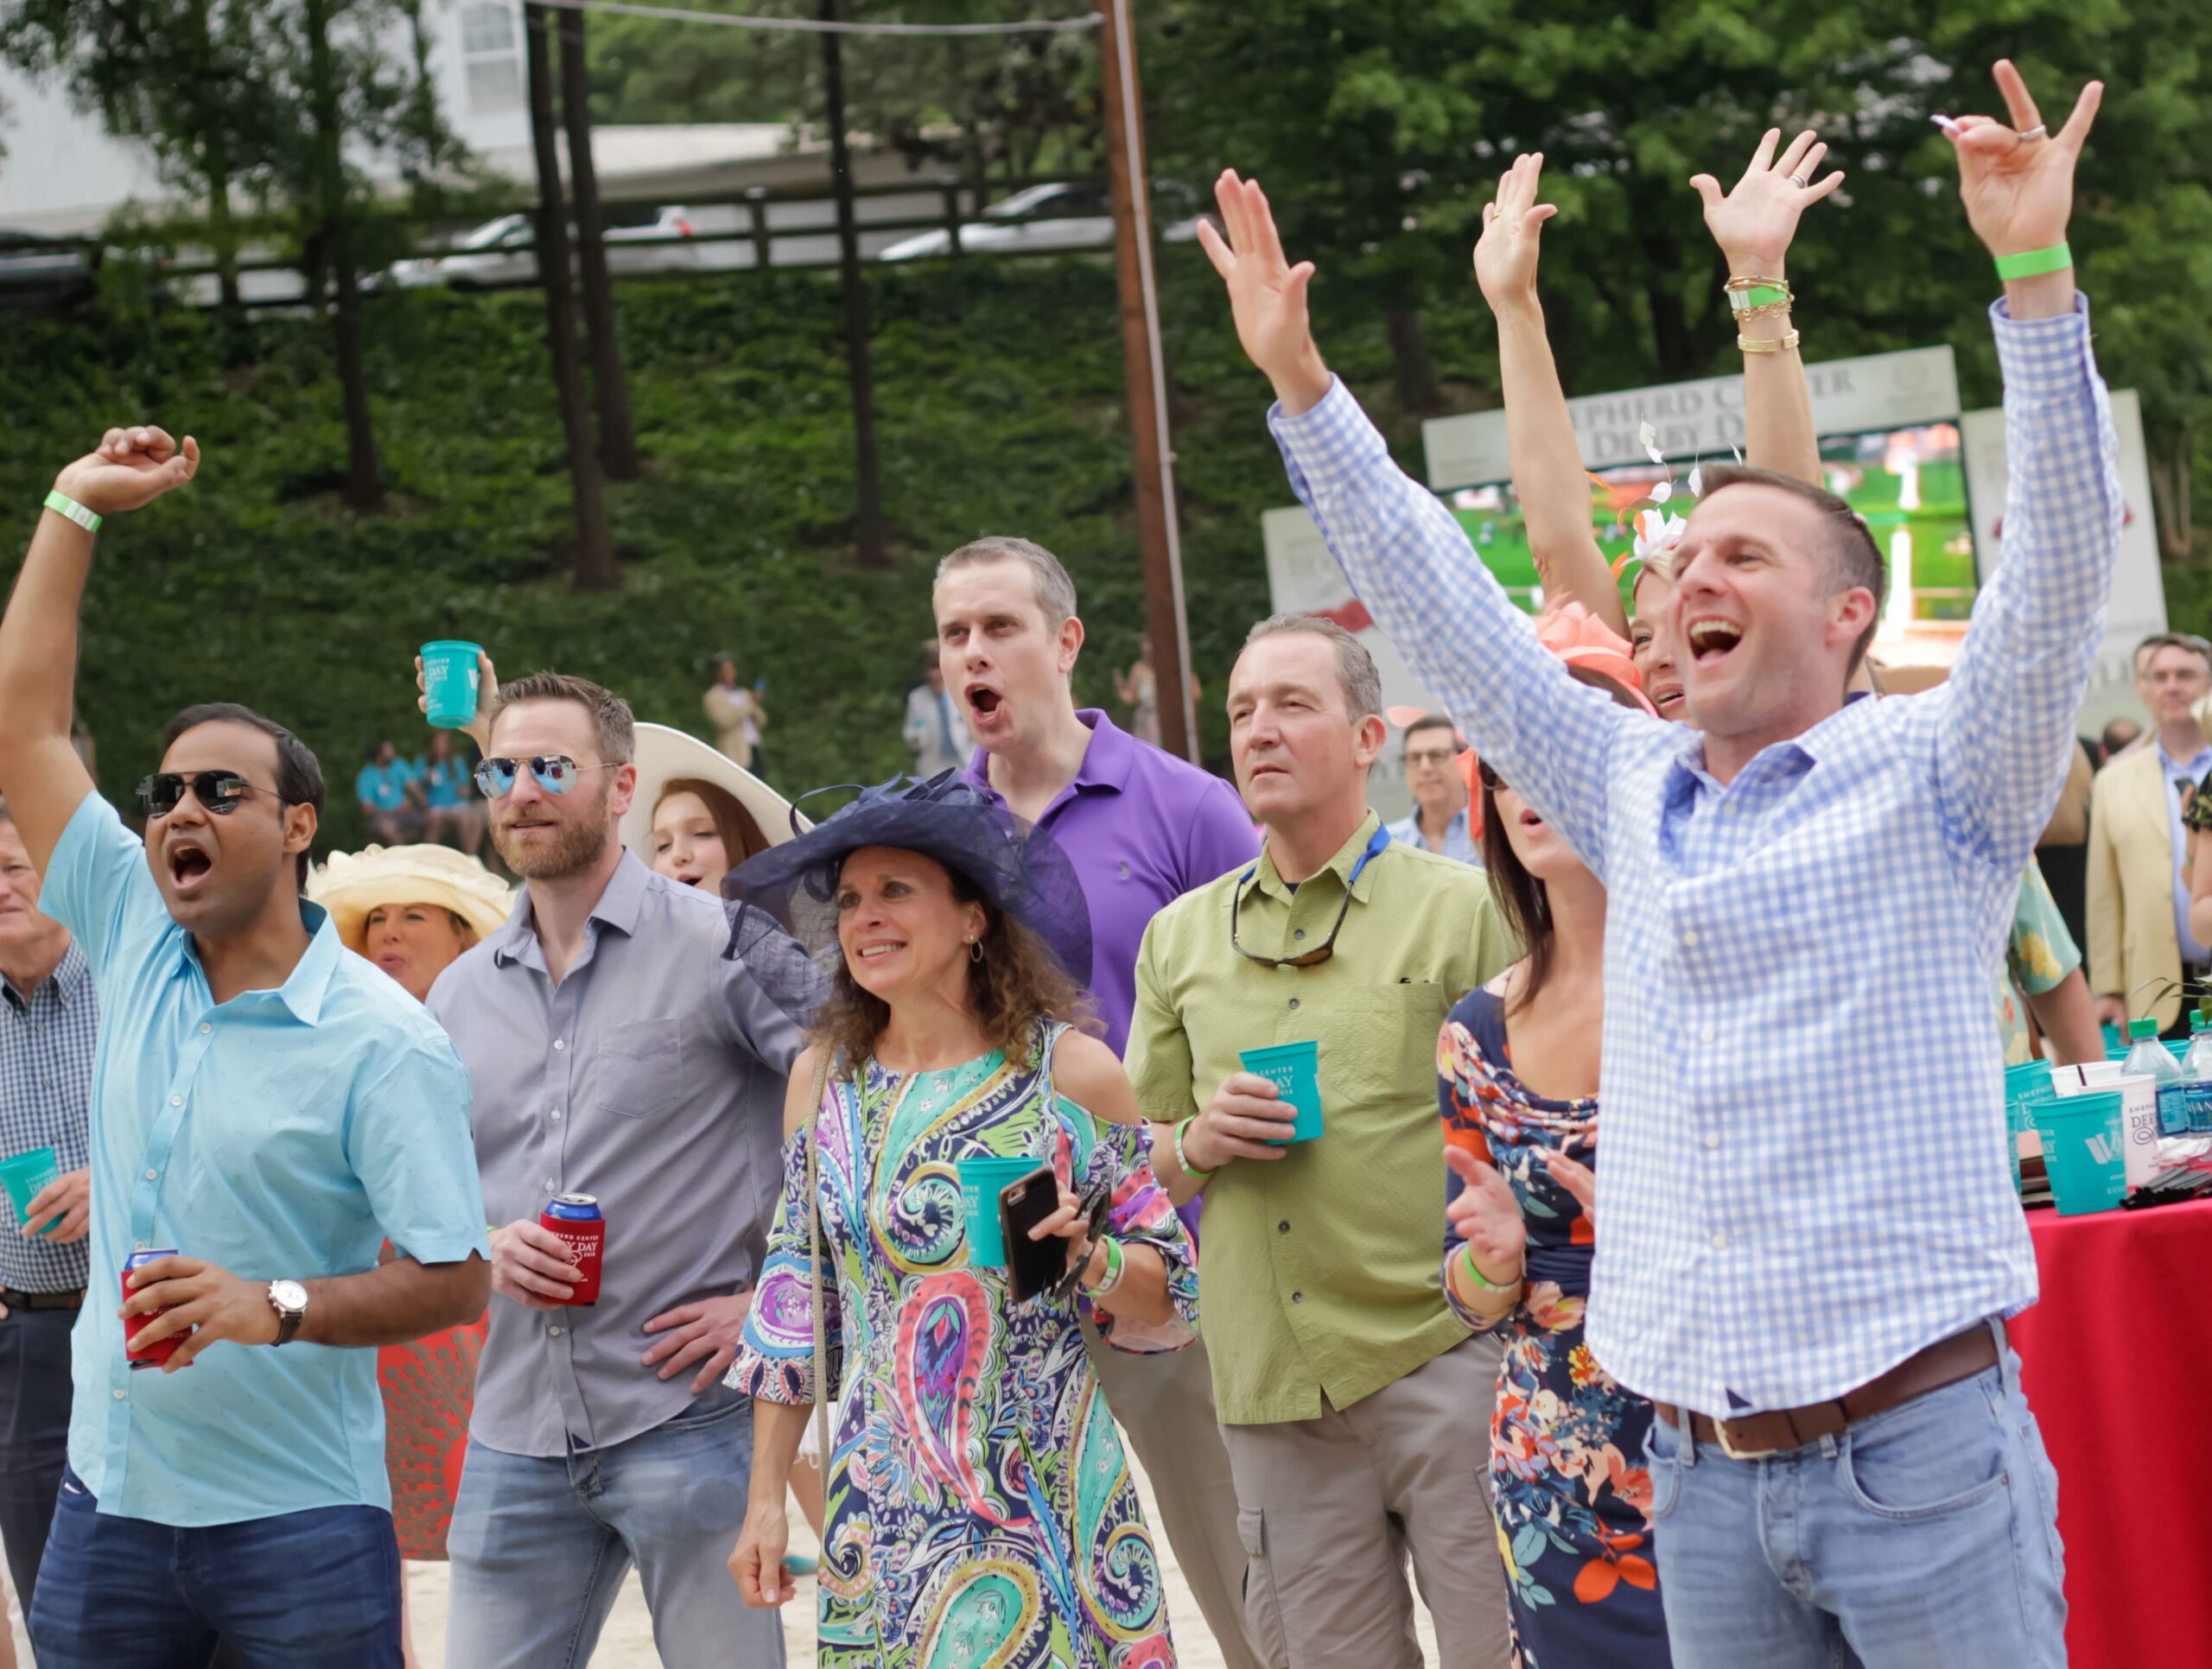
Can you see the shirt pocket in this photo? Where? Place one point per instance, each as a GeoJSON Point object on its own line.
{"type": "Point", "coordinates": [641, 1069]}
{"type": "Point", "coordinates": [1378, 1042]}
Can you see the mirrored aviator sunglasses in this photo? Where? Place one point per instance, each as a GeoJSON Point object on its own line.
{"type": "Point", "coordinates": [556, 773]}
{"type": "Point", "coordinates": [219, 792]}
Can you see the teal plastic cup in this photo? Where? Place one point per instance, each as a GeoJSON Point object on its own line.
{"type": "Point", "coordinates": [980, 1181]}
{"type": "Point", "coordinates": [449, 682]}
{"type": "Point", "coordinates": [2083, 1149]}
{"type": "Point", "coordinates": [2030, 1082]}
{"type": "Point", "coordinates": [26, 1176]}
{"type": "Point", "coordinates": [1294, 1068]}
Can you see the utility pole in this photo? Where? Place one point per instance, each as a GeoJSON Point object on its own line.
{"type": "Point", "coordinates": [595, 567]}
{"type": "Point", "coordinates": [618, 442]}
{"type": "Point", "coordinates": [1147, 380]}
{"type": "Point", "coordinates": [868, 473]}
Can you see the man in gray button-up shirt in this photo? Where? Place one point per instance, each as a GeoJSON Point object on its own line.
{"type": "Point", "coordinates": [614, 1052]}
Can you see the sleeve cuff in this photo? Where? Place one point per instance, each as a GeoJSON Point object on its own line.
{"type": "Point", "coordinates": [1334, 443]}
{"type": "Point", "coordinates": [2042, 355]}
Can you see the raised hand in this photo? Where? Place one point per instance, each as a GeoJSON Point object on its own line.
{"type": "Point", "coordinates": [1505, 255]}
{"type": "Point", "coordinates": [1754, 223]}
{"type": "Point", "coordinates": [2018, 181]}
{"type": "Point", "coordinates": [128, 469]}
{"type": "Point", "coordinates": [1267, 293]}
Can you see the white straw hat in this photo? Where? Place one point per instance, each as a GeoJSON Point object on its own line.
{"type": "Point", "coordinates": [663, 754]}
{"type": "Point", "coordinates": [350, 884]}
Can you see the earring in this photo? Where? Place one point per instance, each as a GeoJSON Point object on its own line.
{"type": "Point", "coordinates": [974, 950]}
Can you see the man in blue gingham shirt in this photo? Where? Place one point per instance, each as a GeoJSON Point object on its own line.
{"type": "Point", "coordinates": [49, 1022]}
{"type": "Point", "coordinates": [1807, 1221]}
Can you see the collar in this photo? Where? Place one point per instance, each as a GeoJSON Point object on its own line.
{"type": "Point", "coordinates": [1352, 866]}
{"type": "Point", "coordinates": [1795, 754]}
{"type": "Point", "coordinates": [71, 981]}
{"type": "Point", "coordinates": [619, 903]}
{"type": "Point", "coordinates": [2188, 767]}
{"type": "Point", "coordinates": [1106, 761]}
{"type": "Point", "coordinates": [308, 983]}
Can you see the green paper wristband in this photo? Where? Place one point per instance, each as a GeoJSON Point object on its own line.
{"type": "Point", "coordinates": [1759, 296]}
{"type": "Point", "coordinates": [2034, 262]}
{"type": "Point", "coordinates": [1484, 1281]}
{"type": "Point", "coordinates": [62, 504]}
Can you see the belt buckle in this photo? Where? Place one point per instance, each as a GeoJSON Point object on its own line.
{"type": "Point", "coordinates": [1729, 1449]}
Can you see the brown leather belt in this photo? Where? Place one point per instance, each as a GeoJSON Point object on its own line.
{"type": "Point", "coordinates": [16, 1300]}
{"type": "Point", "coordinates": [1961, 1356]}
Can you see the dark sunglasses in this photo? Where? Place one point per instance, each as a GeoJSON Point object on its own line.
{"type": "Point", "coordinates": [1327, 947]}
{"type": "Point", "coordinates": [219, 792]}
{"type": "Point", "coordinates": [555, 773]}
{"type": "Point", "coordinates": [1093, 1210]}
{"type": "Point", "coordinates": [1491, 780]}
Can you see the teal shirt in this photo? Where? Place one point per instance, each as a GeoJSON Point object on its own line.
{"type": "Point", "coordinates": [282, 1133]}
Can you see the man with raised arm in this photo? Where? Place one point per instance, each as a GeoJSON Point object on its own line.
{"type": "Point", "coordinates": [1808, 1235]}
{"type": "Point", "coordinates": [266, 1109]}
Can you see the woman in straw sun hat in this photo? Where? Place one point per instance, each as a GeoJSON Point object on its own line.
{"type": "Point", "coordinates": [413, 910]}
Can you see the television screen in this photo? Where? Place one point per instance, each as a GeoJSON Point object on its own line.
{"type": "Point", "coordinates": [1909, 483]}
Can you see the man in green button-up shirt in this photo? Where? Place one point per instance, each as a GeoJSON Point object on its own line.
{"type": "Point", "coordinates": [1355, 1406]}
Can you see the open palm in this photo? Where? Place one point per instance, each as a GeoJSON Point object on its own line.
{"type": "Point", "coordinates": [1505, 255]}
{"type": "Point", "coordinates": [1755, 222]}
{"type": "Point", "coordinates": [1267, 293]}
{"type": "Point", "coordinates": [2018, 189]}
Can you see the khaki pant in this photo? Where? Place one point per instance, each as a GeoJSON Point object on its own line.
{"type": "Point", "coordinates": [1331, 1506]}
{"type": "Point", "coordinates": [1164, 1404]}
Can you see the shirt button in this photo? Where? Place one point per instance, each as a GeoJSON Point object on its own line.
{"type": "Point", "coordinates": [554, 1332]}
{"type": "Point", "coordinates": [1300, 934]}
{"type": "Point", "coordinates": [1294, 1002]}
{"type": "Point", "coordinates": [204, 1028]}
{"type": "Point", "coordinates": [153, 1176]}
{"type": "Point", "coordinates": [1283, 1228]}
{"type": "Point", "coordinates": [1705, 1035]}
{"type": "Point", "coordinates": [551, 1185]}
{"type": "Point", "coordinates": [1712, 1138]}
{"type": "Point", "coordinates": [558, 1043]}
{"type": "Point", "coordinates": [1720, 1240]}
{"type": "Point", "coordinates": [1298, 1298]}
{"type": "Point", "coordinates": [556, 1115]}
{"type": "Point", "coordinates": [177, 1100]}
{"type": "Point", "coordinates": [1690, 940]}
{"type": "Point", "coordinates": [118, 1396]}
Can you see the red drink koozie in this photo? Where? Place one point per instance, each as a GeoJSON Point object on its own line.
{"type": "Point", "coordinates": [161, 1350]}
{"type": "Point", "coordinates": [578, 1221]}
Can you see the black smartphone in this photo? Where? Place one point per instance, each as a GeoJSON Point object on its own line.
{"type": "Point", "coordinates": [1032, 1266]}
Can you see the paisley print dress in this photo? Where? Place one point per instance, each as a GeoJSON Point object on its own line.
{"type": "Point", "coordinates": [1568, 1478]}
{"type": "Point", "coordinates": [978, 1508]}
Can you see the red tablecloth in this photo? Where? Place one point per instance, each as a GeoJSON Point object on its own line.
{"type": "Point", "coordinates": [2117, 1363]}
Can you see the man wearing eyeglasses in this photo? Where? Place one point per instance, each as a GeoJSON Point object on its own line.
{"type": "Point", "coordinates": [2141, 949]}
{"type": "Point", "coordinates": [1354, 1405]}
{"type": "Point", "coordinates": [616, 1052]}
{"type": "Point", "coordinates": [1439, 821]}
{"type": "Point", "coordinates": [267, 1105]}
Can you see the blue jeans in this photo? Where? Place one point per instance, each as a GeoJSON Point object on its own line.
{"type": "Point", "coordinates": [540, 1547]}
{"type": "Point", "coordinates": [318, 1590]}
{"type": "Point", "coordinates": [1922, 1536]}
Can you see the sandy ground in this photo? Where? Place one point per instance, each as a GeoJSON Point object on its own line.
{"type": "Point", "coordinates": [628, 1642]}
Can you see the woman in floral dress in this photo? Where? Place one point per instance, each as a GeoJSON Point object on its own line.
{"type": "Point", "coordinates": [980, 1508]}
{"type": "Point", "coordinates": [1568, 1478]}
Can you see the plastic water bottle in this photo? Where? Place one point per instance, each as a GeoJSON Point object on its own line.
{"type": "Point", "coordinates": [2153, 1059]}
{"type": "Point", "coordinates": [2196, 1075]}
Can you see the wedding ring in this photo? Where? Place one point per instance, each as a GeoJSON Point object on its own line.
{"type": "Point", "coordinates": [2041, 131]}
{"type": "Point", "coordinates": [1799, 180]}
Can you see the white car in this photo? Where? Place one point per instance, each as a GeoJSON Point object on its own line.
{"type": "Point", "coordinates": [1060, 216]}
{"type": "Point", "coordinates": [504, 251]}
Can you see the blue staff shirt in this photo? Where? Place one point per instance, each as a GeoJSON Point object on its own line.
{"type": "Point", "coordinates": [384, 786]}
{"type": "Point", "coordinates": [281, 1134]}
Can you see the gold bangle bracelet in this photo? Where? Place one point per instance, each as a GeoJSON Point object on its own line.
{"type": "Point", "coordinates": [1773, 345]}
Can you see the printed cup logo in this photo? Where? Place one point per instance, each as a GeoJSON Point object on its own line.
{"type": "Point", "coordinates": [2101, 1150]}
{"type": "Point", "coordinates": [1280, 1074]}
{"type": "Point", "coordinates": [583, 1246]}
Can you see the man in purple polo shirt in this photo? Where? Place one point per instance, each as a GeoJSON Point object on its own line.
{"type": "Point", "coordinates": [1142, 828]}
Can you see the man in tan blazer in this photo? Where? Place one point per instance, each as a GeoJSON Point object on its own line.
{"type": "Point", "coordinates": [2139, 878]}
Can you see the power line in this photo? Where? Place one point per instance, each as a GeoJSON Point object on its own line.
{"type": "Point", "coordinates": [814, 26]}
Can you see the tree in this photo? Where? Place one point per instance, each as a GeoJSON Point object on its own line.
{"type": "Point", "coordinates": [852, 284]}
{"type": "Point", "coordinates": [617, 444]}
{"type": "Point", "coordinates": [595, 569]}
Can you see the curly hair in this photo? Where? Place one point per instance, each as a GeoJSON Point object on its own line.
{"type": "Point", "coordinates": [1016, 985]}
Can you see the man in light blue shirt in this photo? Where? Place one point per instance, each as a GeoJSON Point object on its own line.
{"type": "Point", "coordinates": [1439, 821]}
{"type": "Point", "coordinates": [1809, 1230]}
{"type": "Point", "coordinates": [266, 1109]}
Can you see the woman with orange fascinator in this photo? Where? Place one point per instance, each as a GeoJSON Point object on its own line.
{"type": "Point", "coordinates": [1517, 1086]}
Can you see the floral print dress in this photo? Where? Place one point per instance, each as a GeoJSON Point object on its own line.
{"type": "Point", "coordinates": [978, 1508]}
{"type": "Point", "coordinates": [1568, 1478]}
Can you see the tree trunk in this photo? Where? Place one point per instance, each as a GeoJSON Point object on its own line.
{"type": "Point", "coordinates": [867, 483]}
{"type": "Point", "coordinates": [1414, 379]}
{"type": "Point", "coordinates": [364, 488]}
{"type": "Point", "coordinates": [2169, 487]}
{"type": "Point", "coordinates": [594, 569]}
{"type": "Point", "coordinates": [617, 444]}
{"type": "Point", "coordinates": [215, 170]}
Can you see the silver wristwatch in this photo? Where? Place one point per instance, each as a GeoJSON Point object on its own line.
{"type": "Point", "coordinates": [289, 1300]}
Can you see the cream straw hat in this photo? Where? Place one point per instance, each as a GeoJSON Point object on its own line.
{"type": "Point", "coordinates": [351, 884]}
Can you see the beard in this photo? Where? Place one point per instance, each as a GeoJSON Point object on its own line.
{"type": "Point", "coordinates": [576, 845]}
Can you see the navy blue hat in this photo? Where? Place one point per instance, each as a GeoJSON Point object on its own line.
{"type": "Point", "coordinates": [1016, 865]}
